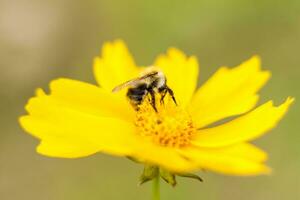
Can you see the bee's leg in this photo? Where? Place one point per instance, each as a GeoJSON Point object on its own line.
{"type": "Point", "coordinates": [153, 103]}
{"type": "Point", "coordinates": [164, 93]}
{"type": "Point", "coordinates": [172, 94]}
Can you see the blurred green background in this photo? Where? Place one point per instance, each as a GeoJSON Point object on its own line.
{"type": "Point", "coordinates": [43, 40]}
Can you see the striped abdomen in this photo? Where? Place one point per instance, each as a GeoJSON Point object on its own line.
{"type": "Point", "coordinates": [137, 94]}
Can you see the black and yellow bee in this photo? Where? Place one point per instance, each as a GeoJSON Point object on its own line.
{"type": "Point", "coordinates": [150, 83]}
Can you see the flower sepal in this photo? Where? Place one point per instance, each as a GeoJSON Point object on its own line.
{"type": "Point", "coordinates": [168, 177]}
{"type": "Point", "coordinates": [150, 172]}
{"type": "Point", "coordinates": [133, 159]}
{"type": "Point", "coordinates": [191, 175]}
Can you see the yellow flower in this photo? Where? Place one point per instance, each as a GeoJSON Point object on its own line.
{"type": "Point", "coordinates": [79, 119]}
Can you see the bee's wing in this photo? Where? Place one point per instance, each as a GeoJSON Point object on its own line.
{"type": "Point", "coordinates": [126, 84]}
{"type": "Point", "coordinates": [132, 82]}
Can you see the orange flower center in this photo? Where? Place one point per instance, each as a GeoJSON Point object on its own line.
{"type": "Point", "coordinates": [171, 126]}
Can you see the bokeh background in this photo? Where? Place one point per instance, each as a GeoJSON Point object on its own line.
{"type": "Point", "coordinates": [43, 40]}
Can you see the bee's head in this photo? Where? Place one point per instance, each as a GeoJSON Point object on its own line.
{"type": "Point", "coordinates": [161, 75]}
{"type": "Point", "coordinates": [155, 76]}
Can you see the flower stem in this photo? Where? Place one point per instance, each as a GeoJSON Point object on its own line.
{"type": "Point", "coordinates": [155, 189]}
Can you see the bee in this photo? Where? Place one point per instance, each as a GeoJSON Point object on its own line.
{"type": "Point", "coordinates": [150, 83]}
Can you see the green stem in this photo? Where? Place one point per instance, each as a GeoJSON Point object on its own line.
{"type": "Point", "coordinates": [155, 189]}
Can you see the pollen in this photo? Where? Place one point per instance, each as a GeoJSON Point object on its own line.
{"type": "Point", "coordinates": [170, 126]}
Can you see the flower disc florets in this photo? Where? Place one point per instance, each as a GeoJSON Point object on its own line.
{"type": "Point", "coordinates": [170, 126]}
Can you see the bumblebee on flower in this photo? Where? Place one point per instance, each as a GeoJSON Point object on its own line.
{"type": "Point", "coordinates": [157, 117]}
{"type": "Point", "coordinates": [151, 83]}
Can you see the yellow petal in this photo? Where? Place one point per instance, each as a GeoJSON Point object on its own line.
{"type": "Point", "coordinates": [70, 133]}
{"type": "Point", "coordinates": [66, 148]}
{"type": "Point", "coordinates": [244, 128]}
{"type": "Point", "coordinates": [244, 150]}
{"type": "Point", "coordinates": [228, 92]}
{"type": "Point", "coordinates": [115, 66]}
{"type": "Point", "coordinates": [40, 92]}
{"type": "Point", "coordinates": [228, 160]}
{"type": "Point", "coordinates": [89, 99]}
{"type": "Point", "coordinates": [181, 73]}
{"type": "Point", "coordinates": [167, 158]}
{"type": "Point", "coordinates": [50, 121]}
